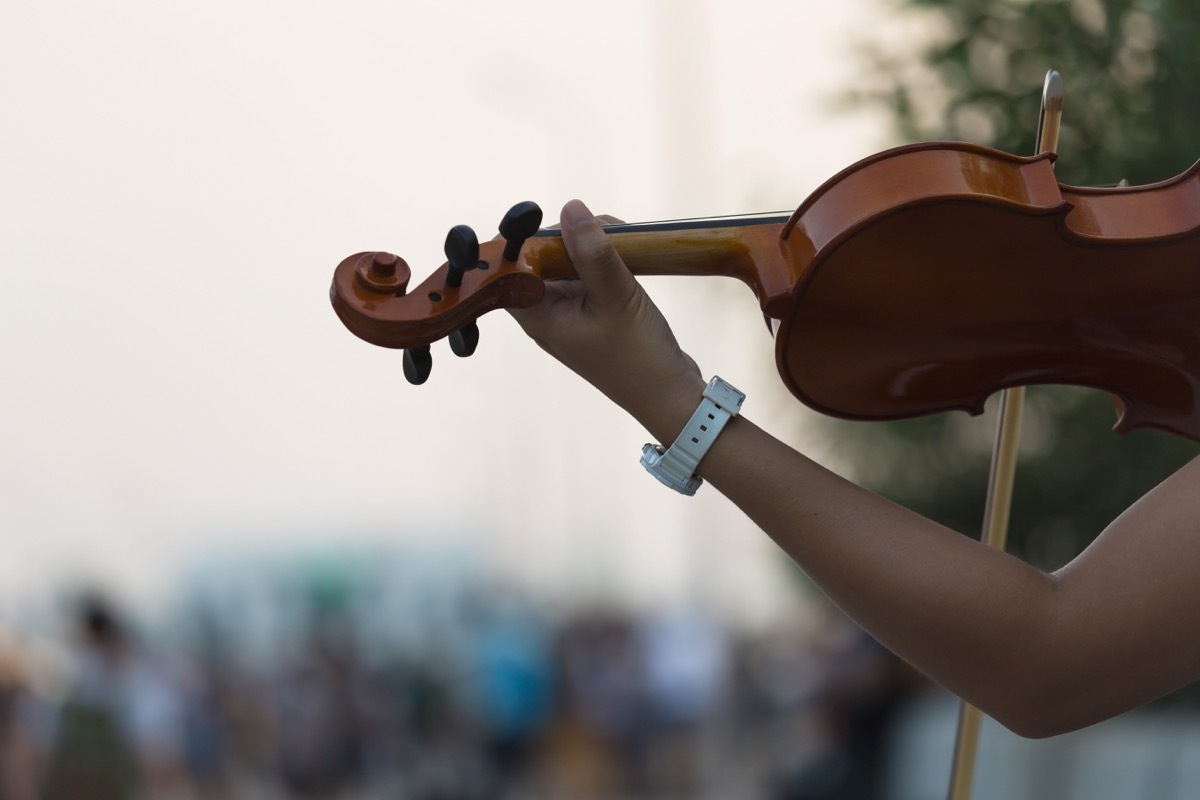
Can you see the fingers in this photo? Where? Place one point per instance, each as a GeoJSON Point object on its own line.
{"type": "Point", "coordinates": [608, 282]}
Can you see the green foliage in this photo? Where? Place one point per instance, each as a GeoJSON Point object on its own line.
{"type": "Point", "coordinates": [1131, 69]}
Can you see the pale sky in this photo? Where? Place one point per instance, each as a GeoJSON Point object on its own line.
{"type": "Point", "coordinates": [179, 180]}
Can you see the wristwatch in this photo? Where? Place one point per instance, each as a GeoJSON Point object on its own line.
{"type": "Point", "coordinates": [676, 465]}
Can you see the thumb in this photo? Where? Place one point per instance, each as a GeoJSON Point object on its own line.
{"type": "Point", "coordinates": [608, 282]}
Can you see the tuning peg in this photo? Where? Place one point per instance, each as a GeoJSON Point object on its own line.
{"type": "Point", "coordinates": [462, 251]}
{"type": "Point", "coordinates": [464, 340]}
{"type": "Point", "coordinates": [521, 222]}
{"type": "Point", "coordinates": [418, 363]}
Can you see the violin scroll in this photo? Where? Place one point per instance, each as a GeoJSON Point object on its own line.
{"type": "Point", "coordinates": [370, 292]}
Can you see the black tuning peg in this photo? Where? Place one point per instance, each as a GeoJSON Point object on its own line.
{"type": "Point", "coordinates": [464, 340]}
{"type": "Point", "coordinates": [521, 222]}
{"type": "Point", "coordinates": [462, 251]}
{"type": "Point", "coordinates": [418, 363]}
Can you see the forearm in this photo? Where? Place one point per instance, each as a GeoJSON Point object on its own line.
{"type": "Point", "coordinates": [978, 621]}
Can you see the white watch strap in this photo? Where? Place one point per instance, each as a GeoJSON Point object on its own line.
{"type": "Point", "coordinates": [676, 466]}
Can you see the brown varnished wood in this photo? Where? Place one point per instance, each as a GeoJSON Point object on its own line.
{"type": "Point", "coordinates": [921, 279]}
{"type": "Point", "coordinates": [930, 300]}
{"type": "Point", "coordinates": [751, 253]}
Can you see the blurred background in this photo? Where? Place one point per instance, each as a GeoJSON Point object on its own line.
{"type": "Point", "coordinates": [243, 558]}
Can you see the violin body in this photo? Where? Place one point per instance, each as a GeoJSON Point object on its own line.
{"type": "Point", "coordinates": [921, 279]}
{"type": "Point", "coordinates": [993, 275]}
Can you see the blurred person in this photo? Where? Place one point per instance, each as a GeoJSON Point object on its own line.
{"type": "Point", "coordinates": [206, 695]}
{"type": "Point", "coordinates": [18, 760]}
{"type": "Point", "coordinates": [424, 740]}
{"type": "Point", "coordinates": [863, 692]}
{"type": "Point", "coordinates": [208, 678]}
{"type": "Point", "coordinates": [1041, 653]}
{"type": "Point", "coordinates": [778, 677]}
{"type": "Point", "coordinates": [687, 661]}
{"type": "Point", "coordinates": [120, 732]}
{"type": "Point", "coordinates": [858, 688]}
{"type": "Point", "coordinates": [595, 749]}
{"type": "Point", "coordinates": [515, 692]}
{"type": "Point", "coordinates": [319, 716]}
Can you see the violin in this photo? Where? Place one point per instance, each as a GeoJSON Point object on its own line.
{"type": "Point", "coordinates": [921, 279]}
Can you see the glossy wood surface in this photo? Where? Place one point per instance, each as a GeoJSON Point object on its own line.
{"type": "Point", "coordinates": [383, 314]}
{"type": "Point", "coordinates": [921, 279]}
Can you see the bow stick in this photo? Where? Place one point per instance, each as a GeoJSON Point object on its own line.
{"type": "Point", "coordinates": [1004, 465]}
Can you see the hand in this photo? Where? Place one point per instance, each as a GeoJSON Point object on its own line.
{"type": "Point", "coordinates": [606, 329]}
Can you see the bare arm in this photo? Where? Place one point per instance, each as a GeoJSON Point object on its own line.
{"type": "Point", "coordinates": [1041, 653]}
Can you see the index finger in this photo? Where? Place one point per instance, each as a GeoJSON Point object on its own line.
{"type": "Point", "coordinates": [608, 282]}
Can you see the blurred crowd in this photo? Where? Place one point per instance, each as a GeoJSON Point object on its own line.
{"type": "Point", "coordinates": [509, 702]}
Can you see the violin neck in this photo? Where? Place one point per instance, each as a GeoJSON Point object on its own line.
{"type": "Point", "coordinates": [746, 248]}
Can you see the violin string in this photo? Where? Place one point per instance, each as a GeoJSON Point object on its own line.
{"type": "Point", "coordinates": [688, 223]}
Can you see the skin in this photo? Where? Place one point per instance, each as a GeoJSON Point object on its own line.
{"type": "Point", "coordinates": [1041, 653]}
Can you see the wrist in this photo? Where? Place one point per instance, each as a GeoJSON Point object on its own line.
{"type": "Point", "coordinates": [677, 466]}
